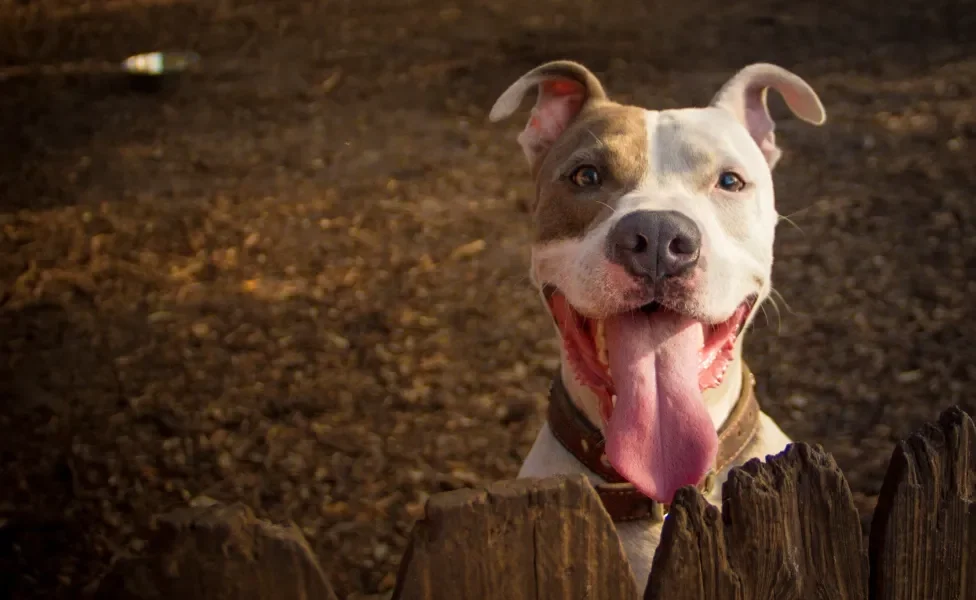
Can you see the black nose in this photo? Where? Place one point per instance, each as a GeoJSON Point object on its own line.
{"type": "Point", "coordinates": [655, 244]}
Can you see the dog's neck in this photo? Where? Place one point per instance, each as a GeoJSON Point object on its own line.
{"type": "Point", "coordinates": [718, 400]}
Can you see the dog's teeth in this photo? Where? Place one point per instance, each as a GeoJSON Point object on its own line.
{"type": "Point", "coordinates": [601, 344]}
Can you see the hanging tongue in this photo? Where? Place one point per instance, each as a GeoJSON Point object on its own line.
{"type": "Point", "coordinates": [659, 436]}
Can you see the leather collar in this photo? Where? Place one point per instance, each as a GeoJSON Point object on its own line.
{"type": "Point", "coordinates": [621, 499]}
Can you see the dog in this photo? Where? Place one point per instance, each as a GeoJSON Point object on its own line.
{"type": "Point", "coordinates": [652, 252]}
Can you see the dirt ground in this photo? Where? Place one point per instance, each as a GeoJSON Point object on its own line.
{"type": "Point", "coordinates": [298, 278]}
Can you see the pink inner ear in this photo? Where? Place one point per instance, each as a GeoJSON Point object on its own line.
{"type": "Point", "coordinates": [558, 104]}
{"type": "Point", "coordinates": [760, 125]}
{"type": "Point", "coordinates": [561, 88]}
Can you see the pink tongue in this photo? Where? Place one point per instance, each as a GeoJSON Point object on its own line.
{"type": "Point", "coordinates": [659, 436]}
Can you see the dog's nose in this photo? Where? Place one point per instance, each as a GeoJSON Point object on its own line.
{"type": "Point", "coordinates": [655, 244]}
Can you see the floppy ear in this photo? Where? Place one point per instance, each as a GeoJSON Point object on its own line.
{"type": "Point", "coordinates": [565, 87]}
{"type": "Point", "coordinates": [745, 97]}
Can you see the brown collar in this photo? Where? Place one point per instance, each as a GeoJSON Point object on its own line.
{"type": "Point", "coordinates": [621, 499]}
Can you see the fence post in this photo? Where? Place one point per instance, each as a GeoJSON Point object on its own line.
{"type": "Point", "coordinates": [204, 553]}
{"type": "Point", "coordinates": [923, 534]}
{"type": "Point", "coordinates": [529, 539]}
{"type": "Point", "coordinates": [788, 530]}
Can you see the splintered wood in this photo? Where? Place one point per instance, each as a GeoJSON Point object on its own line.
{"type": "Point", "coordinates": [517, 540]}
{"type": "Point", "coordinates": [788, 530]}
{"type": "Point", "coordinates": [206, 553]}
{"type": "Point", "coordinates": [923, 536]}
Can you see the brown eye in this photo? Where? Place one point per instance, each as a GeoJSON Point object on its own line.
{"type": "Point", "coordinates": [730, 182]}
{"type": "Point", "coordinates": [585, 176]}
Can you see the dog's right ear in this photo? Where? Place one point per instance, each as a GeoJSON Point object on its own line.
{"type": "Point", "coordinates": [565, 87]}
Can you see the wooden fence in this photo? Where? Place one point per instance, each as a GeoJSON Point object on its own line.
{"type": "Point", "coordinates": [788, 530]}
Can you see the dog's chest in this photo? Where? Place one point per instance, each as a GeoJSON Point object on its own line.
{"type": "Point", "coordinates": [640, 539]}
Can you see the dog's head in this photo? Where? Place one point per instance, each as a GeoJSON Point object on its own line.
{"type": "Point", "coordinates": [653, 249]}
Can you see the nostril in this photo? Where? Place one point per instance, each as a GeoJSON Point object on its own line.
{"type": "Point", "coordinates": [680, 246]}
{"type": "Point", "coordinates": [642, 244]}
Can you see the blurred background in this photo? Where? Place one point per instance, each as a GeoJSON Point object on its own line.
{"type": "Point", "coordinates": [297, 276]}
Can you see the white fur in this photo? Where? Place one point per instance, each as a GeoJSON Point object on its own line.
{"type": "Point", "coordinates": [737, 232]}
{"type": "Point", "coordinates": [737, 228]}
{"type": "Point", "coordinates": [687, 149]}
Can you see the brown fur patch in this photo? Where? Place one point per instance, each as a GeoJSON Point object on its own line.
{"type": "Point", "coordinates": [609, 136]}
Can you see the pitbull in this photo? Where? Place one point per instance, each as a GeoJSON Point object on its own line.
{"type": "Point", "coordinates": [652, 252]}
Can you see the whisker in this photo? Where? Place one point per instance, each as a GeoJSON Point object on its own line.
{"type": "Point", "coordinates": [797, 212]}
{"type": "Point", "coordinates": [779, 316]}
{"type": "Point", "coordinates": [791, 222]}
{"type": "Point", "coordinates": [789, 218]}
{"type": "Point", "coordinates": [594, 136]}
{"type": "Point", "coordinates": [783, 300]}
{"type": "Point", "coordinates": [762, 307]}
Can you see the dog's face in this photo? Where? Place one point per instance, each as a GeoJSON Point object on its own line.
{"type": "Point", "coordinates": [653, 249]}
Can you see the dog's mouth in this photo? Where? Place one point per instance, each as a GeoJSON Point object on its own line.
{"type": "Point", "coordinates": [649, 367]}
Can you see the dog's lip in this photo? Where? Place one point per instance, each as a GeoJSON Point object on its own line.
{"type": "Point", "coordinates": [549, 290]}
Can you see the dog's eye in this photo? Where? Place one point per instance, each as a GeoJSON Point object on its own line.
{"type": "Point", "coordinates": [585, 176]}
{"type": "Point", "coordinates": [730, 182]}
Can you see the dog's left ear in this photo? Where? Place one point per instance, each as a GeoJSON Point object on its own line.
{"type": "Point", "coordinates": [565, 87]}
{"type": "Point", "coordinates": [745, 97]}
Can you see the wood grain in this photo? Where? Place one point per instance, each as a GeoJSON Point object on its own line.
{"type": "Point", "coordinates": [219, 552]}
{"type": "Point", "coordinates": [923, 535]}
{"type": "Point", "coordinates": [788, 530]}
{"type": "Point", "coordinates": [517, 540]}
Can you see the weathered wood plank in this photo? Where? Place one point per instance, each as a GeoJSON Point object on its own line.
{"type": "Point", "coordinates": [219, 552]}
{"type": "Point", "coordinates": [788, 530]}
{"type": "Point", "coordinates": [517, 540]}
{"type": "Point", "coordinates": [923, 535]}
{"type": "Point", "coordinates": [692, 561]}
